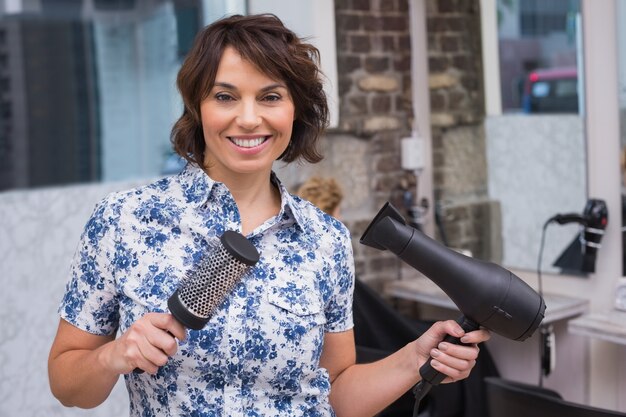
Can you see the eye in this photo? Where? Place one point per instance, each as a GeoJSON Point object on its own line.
{"type": "Point", "coordinates": [272, 97]}
{"type": "Point", "coordinates": [223, 97]}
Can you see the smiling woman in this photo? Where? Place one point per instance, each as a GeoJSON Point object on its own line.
{"type": "Point", "coordinates": [247, 119]}
{"type": "Point", "coordinates": [283, 338]}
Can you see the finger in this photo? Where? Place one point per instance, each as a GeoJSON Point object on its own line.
{"type": "Point", "coordinates": [459, 362]}
{"type": "Point", "coordinates": [452, 374]}
{"type": "Point", "coordinates": [442, 329]}
{"type": "Point", "coordinates": [163, 340]}
{"type": "Point", "coordinates": [459, 351]}
{"type": "Point", "coordinates": [168, 323]}
{"type": "Point", "coordinates": [134, 359]}
{"type": "Point", "coordinates": [477, 336]}
{"type": "Point", "coordinates": [152, 357]}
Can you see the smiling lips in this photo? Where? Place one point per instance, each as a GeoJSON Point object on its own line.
{"type": "Point", "coordinates": [248, 142]}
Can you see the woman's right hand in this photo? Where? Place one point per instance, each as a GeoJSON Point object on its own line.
{"type": "Point", "coordinates": [146, 345]}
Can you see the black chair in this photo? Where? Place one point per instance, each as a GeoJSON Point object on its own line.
{"type": "Point", "coordinates": [516, 399]}
{"type": "Point", "coordinates": [380, 330]}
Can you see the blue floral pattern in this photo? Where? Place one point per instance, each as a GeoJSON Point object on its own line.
{"type": "Point", "coordinates": [259, 354]}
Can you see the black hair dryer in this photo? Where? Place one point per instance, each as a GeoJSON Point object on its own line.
{"type": "Point", "coordinates": [486, 294]}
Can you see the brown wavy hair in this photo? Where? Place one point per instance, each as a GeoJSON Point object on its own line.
{"type": "Point", "coordinates": [276, 51]}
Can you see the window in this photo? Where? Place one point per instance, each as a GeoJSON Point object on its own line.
{"type": "Point", "coordinates": [539, 53]}
{"type": "Point", "coordinates": [87, 88]}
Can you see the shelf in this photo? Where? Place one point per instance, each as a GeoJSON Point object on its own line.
{"type": "Point", "coordinates": [423, 290]}
{"type": "Point", "coordinates": [609, 326]}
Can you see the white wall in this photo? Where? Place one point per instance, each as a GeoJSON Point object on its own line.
{"type": "Point", "coordinates": [39, 231]}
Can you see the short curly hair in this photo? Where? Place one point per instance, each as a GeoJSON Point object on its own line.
{"type": "Point", "coordinates": [276, 51]}
{"type": "Point", "coordinates": [325, 193]}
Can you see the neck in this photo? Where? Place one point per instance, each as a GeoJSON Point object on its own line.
{"type": "Point", "coordinates": [256, 197]}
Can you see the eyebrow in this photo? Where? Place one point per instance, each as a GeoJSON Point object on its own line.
{"type": "Point", "coordinates": [232, 87]}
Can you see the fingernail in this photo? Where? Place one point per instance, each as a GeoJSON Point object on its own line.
{"type": "Point", "coordinates": [435, 364]}
{"type": "Point", "coordinates": [464, 339]}
{"type": "Point", "coordinates": [443, 346]}
{"type": "Point", "coordinates": [435, 353]}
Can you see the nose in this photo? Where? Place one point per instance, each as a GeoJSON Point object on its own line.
{"type": "Point", "coordinates": [249, 116]}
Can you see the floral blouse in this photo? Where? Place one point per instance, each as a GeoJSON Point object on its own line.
{"type": "Point", "coordinates": [259, 353]}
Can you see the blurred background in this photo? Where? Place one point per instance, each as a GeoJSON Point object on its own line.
{"type": "Point", "coordinates": [479, 119]}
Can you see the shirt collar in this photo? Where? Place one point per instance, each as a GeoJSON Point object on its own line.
{"type": "Point", "coordinates": [289, 206]}
{"type": "Point", "coordinates": [197, 186]}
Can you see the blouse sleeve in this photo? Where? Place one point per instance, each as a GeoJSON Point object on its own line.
{"type": "Point", "coordinates": [90, 301]}
{"type": "Point", "coordinates": [339, 308]}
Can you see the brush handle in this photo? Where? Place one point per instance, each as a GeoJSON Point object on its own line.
{"type": "Point", "coordinates": [434, 377]}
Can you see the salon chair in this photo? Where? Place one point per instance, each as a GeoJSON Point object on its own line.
{"type": "Point", "coordinates": [507, 398]}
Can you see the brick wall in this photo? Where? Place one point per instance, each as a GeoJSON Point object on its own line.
{"type": "Point", "coordinates": [470, 220]}
{"type": "Point", "coordinates": [374, 66]}
{"type": "Point", "coordinates": [374, 54]}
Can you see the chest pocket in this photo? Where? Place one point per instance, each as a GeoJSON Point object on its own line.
{"type": "Point", "coordinates": [295, 303]}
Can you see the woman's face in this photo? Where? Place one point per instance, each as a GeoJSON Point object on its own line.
{"type": "Point", "coordinates": [247, 119]}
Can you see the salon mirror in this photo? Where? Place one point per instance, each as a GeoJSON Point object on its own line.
{"type": "Point", "coordinates": [536, 147]}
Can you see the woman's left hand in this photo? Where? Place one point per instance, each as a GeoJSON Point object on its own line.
{"type": "Point", "coordinates": [455, 361]}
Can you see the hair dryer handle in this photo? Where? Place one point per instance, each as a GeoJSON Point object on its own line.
{"type": "Point", "coordinates": [428, 373]}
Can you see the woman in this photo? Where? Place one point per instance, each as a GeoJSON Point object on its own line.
{"type": "Point", "coordinates": [281, 344]}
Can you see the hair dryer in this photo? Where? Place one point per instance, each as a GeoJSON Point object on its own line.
{"type": "Point", "coordinates": [486, 294]}
{"type": "Point", "coordinates": [594, 220]}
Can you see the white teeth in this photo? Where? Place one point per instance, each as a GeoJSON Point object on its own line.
{"type": "Point", "coordinates": [248, 143]}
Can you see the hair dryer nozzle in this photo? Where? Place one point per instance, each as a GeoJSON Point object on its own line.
{"type": "Point", "coordinates": [369, 236]}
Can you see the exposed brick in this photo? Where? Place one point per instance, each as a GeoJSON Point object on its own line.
{"type": "Point", "coordinates": [381, 104]}
{"type": "Point", "coordinates": [343, 41]}
{"type": "Point", "coordinates": [358, 104]}
{"type": "Point", "coordinates": [436, 24]}
{"type": "Point", "coordinates": [470, 81]}
{"type": "Point", "coordinates": [447, 6]}
{"type": "Point", "coordinates": [437, 101]}
{"type": "Point", "coordinates": [449, 43]}
{"type": "Point", "coordinates": [388, 43]}
{"type": "Point", "coordinates": [388, 5]}
{"type": "Point", "coordinates": [445, 80]}
{"type": "Point", "coordinates": [348, 22]}
{"type": "Point", "coordinates": [385, 183]}
{"type": "Point", "coordinates": [462, 62]}
{"type": "Point", "coordinates": [376, 64]}
{"type": "Point", "coordinates": [361, 4]}
{"type": "Point", "coordinates": [397, 23]}
{"type": "Point", "coordinates": [344, 84]}
{"type": "Point", "coordinates": [348, 63]}
{"type": "Point", "coordinates": [403, 63]}
{"type": "Point", "coordinates": [457, 100]}
{"type": "Point", "coordinates": [385, 142]}
{"type": "Point", "coordinates": [378, 83]}
{"type": "Point", "coordinates": [380, 123]}
{"type": "Point", "coordinates": [388, 163]}
{"type": "Point", "coordinates": [372, 23]}
{"type": "Point", "coordinates": [404, 43]}
{"type": "Point", "coordinates": [360, 43]}
{"type": "Point", "coordinates": [433, 43]}
{"type": "Point", "coordinates": [456, 23]}
{"type": "Point", "coordinates": [405, 103]}
{"type": "Point", "coordinates": [438, 64]}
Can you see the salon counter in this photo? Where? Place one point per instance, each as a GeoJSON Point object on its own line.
{"type": "Point", "coordinates": [609, 325]}
{"type": "Point", "coordinates": [516, 360]}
